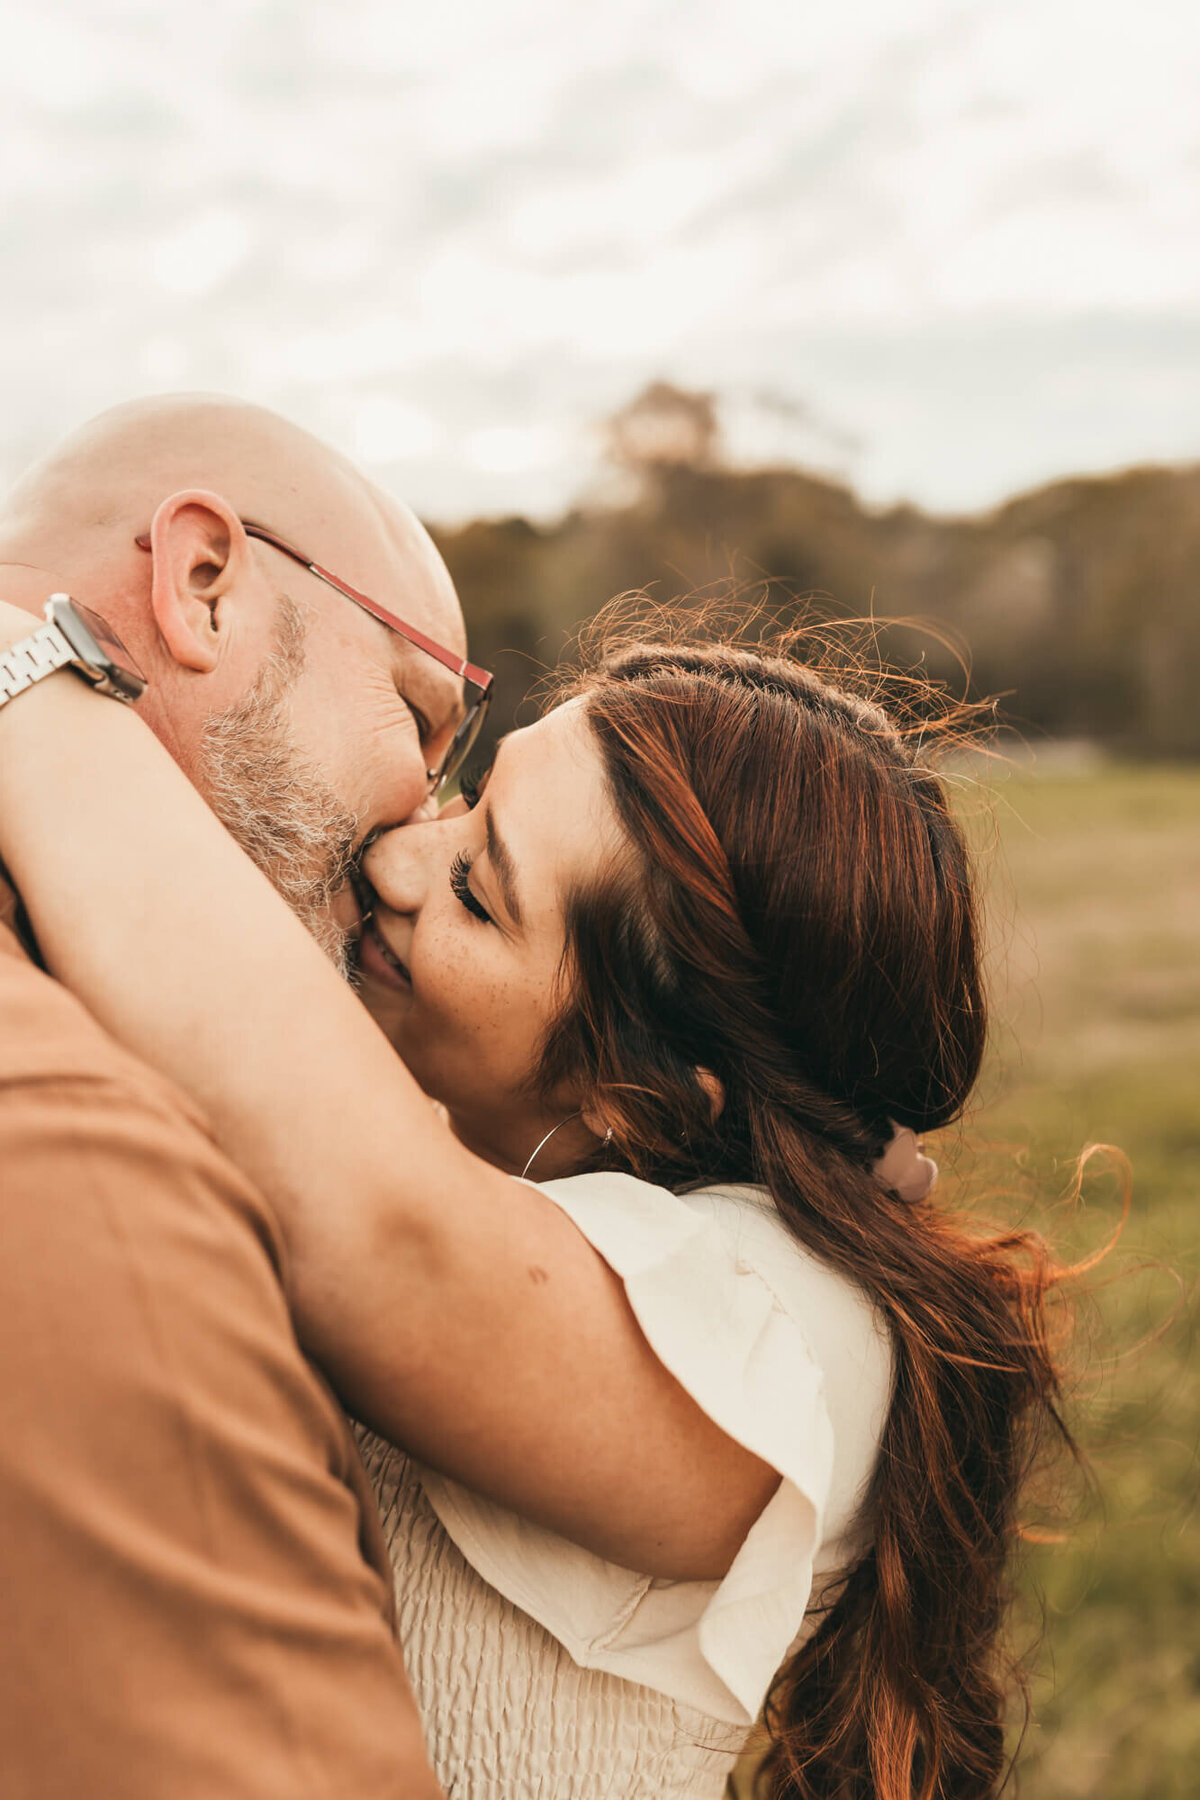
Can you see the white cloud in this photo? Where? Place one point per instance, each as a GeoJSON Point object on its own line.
{"type": "Point", "coordinates": [388, 431]}
{"type": "Point", "coordinates": [448, 236]}
{"type": "Point", "coordinates": [511, 449]}
{"type": "Point", "coordinates": [45, 58]}
{"type": "Point", "coordinates": [199, 256]}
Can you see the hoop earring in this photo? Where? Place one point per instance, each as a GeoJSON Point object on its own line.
{"type": "Point", "coordinates": [539, 1147]}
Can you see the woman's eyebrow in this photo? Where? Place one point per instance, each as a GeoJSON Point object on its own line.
{"type": "Point", "coordinates": [500, 858]}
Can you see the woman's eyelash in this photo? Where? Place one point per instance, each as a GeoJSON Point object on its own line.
{"type": "Point", "coordinates": [460, 868]}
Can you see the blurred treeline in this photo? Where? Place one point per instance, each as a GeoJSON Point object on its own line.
{"type": "Point", "coordinates": [1077, 603]}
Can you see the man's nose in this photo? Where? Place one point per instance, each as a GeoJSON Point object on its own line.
{"type": "Point", "coordinates": [427, 810]}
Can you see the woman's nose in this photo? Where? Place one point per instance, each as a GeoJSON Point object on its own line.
{"type": "Point", "coordinates": [396, 867]}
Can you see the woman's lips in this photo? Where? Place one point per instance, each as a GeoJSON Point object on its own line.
{"type": "Point", "coordinates": [380, 963]}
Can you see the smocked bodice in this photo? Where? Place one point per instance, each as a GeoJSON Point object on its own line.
{"type": "Point", "coordinates": [507, 1714]}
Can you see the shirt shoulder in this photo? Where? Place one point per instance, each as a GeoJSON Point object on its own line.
{"type": "Point", "coordinates": [47, 1035]}
{"type": "Point", "coordinates": [716, 1250]}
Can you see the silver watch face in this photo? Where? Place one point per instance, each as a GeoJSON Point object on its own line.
{"type": "Point", "coordinates": [101, 654]}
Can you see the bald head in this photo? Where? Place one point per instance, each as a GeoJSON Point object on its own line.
{"type": "Point", "coordinates": [83, 503]}
{"type": "Point", "coordinates": [235, 637]}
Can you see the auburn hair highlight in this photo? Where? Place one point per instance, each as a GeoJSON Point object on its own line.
{"type": "Point", "coordinates": [798, 917]}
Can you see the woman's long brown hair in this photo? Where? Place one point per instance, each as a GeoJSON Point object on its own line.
{"type": "Point", "coordinates": [799, 918]}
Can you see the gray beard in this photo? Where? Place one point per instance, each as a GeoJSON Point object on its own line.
{"type": "Point", "coordinates": [273, 800]}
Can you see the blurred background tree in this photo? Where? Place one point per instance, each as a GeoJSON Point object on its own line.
{"type": "Point", "coordinates": [1078, 601]}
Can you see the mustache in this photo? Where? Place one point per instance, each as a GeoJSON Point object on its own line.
{"type": "Point", "coordinates": [360, 881]}
{"type": "Point", "coordinates": [272, 799]}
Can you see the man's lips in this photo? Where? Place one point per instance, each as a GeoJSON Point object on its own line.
{"type": "Point", "coordinates": [348, 909]}
{"type": "Point", "coordinates": [376, 960]}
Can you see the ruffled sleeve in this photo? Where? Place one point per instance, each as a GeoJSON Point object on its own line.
{"type": "Point", "coordinates": [731, 1336]}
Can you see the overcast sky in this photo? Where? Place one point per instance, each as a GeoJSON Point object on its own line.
{"type": "Point", "coordinates": [943, 250]}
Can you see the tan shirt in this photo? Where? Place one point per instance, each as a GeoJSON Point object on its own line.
{"type": "Point", "coordinates": [194, 1591]}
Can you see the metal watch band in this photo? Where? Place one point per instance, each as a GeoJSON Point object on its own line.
{"type": "Point", "coordinates": [34, 657]}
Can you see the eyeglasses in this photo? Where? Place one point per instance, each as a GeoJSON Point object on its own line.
{"type": "Point", "coordinates": [474, 678]}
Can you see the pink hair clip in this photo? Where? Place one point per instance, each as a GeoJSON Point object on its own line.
{"type": "Point", "coordinates": [904, 1167]}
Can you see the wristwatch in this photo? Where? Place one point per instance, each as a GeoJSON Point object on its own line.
{"type": "Point", "coordinates": [73, 637]}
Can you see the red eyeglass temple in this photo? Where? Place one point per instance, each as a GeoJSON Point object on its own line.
{"type": "Point", "coordinates": [480, 678]}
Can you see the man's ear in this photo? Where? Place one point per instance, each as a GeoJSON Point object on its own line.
{"type": "Point", "coordinates": [200, 552]}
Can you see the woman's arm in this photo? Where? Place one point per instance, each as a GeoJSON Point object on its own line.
{"type": "Point", "coordinates": [458, 1311]}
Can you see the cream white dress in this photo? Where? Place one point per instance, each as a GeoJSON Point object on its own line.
{"type": "Point", "coordinates": [543, 1672]}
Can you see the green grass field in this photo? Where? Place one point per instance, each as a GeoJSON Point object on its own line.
{"type": "Point", "coordinates": [1095, 890]}
{"type": "Point", "coordinates": [1094, 884]}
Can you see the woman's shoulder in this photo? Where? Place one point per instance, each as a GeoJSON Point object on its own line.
{"type": "Point", "coordinates": [839, 1317]}
{"type": "Point", "coordinates": [636, 1224]}
{"type": "Point", "coordinates": [717, 1273]}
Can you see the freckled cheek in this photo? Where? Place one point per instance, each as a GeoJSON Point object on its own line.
{"type": "Point", "coordinates": [470, 1003]}
{"type": "Point", "coordinates": [481, 1016]}
{"type": "Point", "coordinates": [507, 1032]}
{"type": "Point", "coordinates": [453, 987]}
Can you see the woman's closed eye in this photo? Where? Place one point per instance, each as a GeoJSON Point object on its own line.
{"type": "Point", "coordinates": [460, 870]}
